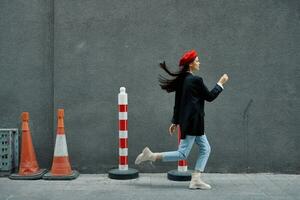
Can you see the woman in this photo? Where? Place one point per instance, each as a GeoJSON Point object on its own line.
{"type": "Point", "coordinates": [190, 94]}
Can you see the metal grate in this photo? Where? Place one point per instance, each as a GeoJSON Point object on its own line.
{"type": "Point", "coordinates": [9, 151]}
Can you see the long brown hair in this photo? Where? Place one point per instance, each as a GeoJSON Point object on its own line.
{"type": "Point", "coordinates": [171, 85]}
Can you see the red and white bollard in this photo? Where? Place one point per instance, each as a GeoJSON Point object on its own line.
{"type": "Point", "coordinates": [182, 173]}
{"type": "Point", "coordinates": [123, 172]}
{"type": "Point", "coordinates": [182, 164]}
{"type": "Point", "coordinates": [123, 130]}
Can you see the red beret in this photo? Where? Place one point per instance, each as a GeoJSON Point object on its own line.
{"type": "Point", "coordinates": [188, 57]}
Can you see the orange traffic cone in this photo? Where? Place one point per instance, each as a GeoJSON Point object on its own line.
{"type": "Point", "coordinates": [29, 168]}
{"type": "Point", "coordinates": [61, 168]}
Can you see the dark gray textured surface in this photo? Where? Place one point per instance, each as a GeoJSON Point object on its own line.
{"type": "Point", "coordinates": [26, 72]}
{"type": "Point", "coordinates": [100, 46]}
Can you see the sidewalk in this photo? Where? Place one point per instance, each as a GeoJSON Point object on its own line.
{"type": "Point", "coordinates": [155, 187]}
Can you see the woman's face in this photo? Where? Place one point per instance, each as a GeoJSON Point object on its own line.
{"type": "Point", "coordinates": [195, 65]}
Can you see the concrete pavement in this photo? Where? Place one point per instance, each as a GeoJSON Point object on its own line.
{"type": "Point", "coordinates": [156, 186]}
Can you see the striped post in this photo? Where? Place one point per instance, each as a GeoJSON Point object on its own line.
{"type": "Point", "coordinates": [182, 164]}
{"type": "Point", "coordinates": [123, 131]}
{"type": "Point", "coordinates": [181, 173]}
{"type": "Point", "coordinates": [123, 172]}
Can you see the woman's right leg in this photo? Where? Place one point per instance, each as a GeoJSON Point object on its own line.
{"type": "Point", "coordinates": [182, 153]}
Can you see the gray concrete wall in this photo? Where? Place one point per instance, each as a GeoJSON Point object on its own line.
{"type": "Point", "coordinates": [101, 45]}
{"type": "Point", "coordinates": [26, 72]}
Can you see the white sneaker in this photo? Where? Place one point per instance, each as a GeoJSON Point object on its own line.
{"type": "Point", "coordinates": [197, 183]}
{"type": "Point", "coordinates": [146, 155]}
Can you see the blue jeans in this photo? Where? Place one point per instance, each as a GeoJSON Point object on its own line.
{"type": "Point", "coordinates": [184, 149]}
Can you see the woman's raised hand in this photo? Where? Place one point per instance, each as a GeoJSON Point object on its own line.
{"type": "Point", "coordinates": [172, 129]}
{"type": "Point", "coordinates": [223, 79]}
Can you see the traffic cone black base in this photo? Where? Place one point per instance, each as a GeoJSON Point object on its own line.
{"type": "Point", "coordinates": [72, 176]}
{"type": "Point", "coordinates": [34, 176]}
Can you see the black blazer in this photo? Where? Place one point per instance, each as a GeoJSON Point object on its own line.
{"type": "Point", "coordinates": [189, 105]}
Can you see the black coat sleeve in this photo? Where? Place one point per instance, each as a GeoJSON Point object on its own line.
{"type": "Point", "coordinates": [205, 93]}
{"type": "Point", "coordinates": [175, 119]}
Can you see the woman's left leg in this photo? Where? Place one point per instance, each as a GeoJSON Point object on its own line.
{"type": "Point", "coordinates": [204, 152]}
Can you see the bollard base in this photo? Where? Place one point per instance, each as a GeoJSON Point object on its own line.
{"type": "Point", "coordinates": [175, 175]}
{"type": "Point", "coordinates": [72, 176]}
{"type": "Point", "coordinates": [123, 174]}
{"type": "Point", "coordinates": [34, 176]}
